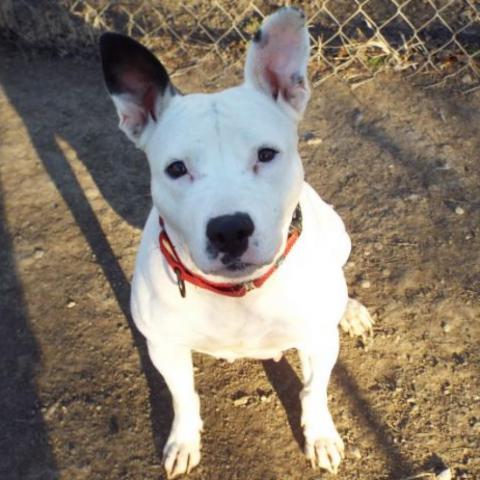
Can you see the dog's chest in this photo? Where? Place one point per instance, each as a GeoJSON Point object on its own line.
{"type": "Point", "coordinates": [247, 334]}
{"type": "Point", "coordinates": [260, 325]}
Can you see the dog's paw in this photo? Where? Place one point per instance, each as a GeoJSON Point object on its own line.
{"type": "Point", "coordinates": [325, 452]}
{"type": "Point", "coordinates": [356, 320]}
{"type": "Point", "coordinates": [323, 445]}
{"type": "Point", "coordinates": [180, 457]}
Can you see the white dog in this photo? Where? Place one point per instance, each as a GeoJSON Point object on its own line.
{"type": "Point", "coordinates": [239, 256]}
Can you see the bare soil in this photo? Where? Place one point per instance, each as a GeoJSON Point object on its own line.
{"type": "Point", "coordinates": [79, 398]}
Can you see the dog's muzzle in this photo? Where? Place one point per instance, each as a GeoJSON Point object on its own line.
{"type": "Point", "coordinates": [229, 289]}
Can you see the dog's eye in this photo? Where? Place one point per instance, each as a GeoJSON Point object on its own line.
{"type": "Point", "coordinates": [176, 169]}
{"type": "Point", "coordinates": [266, 155]}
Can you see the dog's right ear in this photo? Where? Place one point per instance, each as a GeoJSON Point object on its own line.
{"type": "Point", "coordinates": [137, 82]}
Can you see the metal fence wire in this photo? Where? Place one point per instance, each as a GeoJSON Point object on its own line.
{"type": "Point", "coordinates": [438, 40]}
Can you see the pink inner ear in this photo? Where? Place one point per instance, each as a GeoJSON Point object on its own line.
{"type": "Point", "coordinates": [279, 60]}
{"type": "Point", "coordinates": [272, 79]}
{"type": "Point", "coordinates": [143, 91]}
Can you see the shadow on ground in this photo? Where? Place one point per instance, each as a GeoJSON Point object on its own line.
{"type": "Point", "coordinates": [24, 444]}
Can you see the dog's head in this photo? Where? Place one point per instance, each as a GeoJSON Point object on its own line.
{"type": "Point", "coordinates": [226, 175]}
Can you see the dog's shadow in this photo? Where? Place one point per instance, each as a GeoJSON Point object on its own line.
{"type": "Point", "coordinates": [287, 386]}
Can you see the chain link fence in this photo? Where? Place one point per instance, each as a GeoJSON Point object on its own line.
{"type": "Point", "coordinates": [435, 40]}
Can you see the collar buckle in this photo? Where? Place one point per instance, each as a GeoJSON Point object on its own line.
{"type": "Point", "coordinates": [180, 282]}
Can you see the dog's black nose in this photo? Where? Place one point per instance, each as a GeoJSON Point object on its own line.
{"type": "Point", "coordinates": [229, 233]}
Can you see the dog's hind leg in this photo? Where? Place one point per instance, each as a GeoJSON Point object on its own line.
{"type": "Point", "coordinates": [323, 445]}
{"type": "Point", "coordinates": [182, 450]}
{"type": "Point", "coordinates": [356, 320]}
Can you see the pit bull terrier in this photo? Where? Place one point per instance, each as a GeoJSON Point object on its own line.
{"type": "Point", "coordinates": [239, 256]}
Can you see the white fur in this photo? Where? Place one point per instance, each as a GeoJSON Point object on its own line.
{"type": "Point", "coordinates": [301, 304]}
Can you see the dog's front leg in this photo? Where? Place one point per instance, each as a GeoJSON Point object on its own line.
{"type": "Point", "coordinates": [323, 445]}
{"type": "Point", "coordinates": [182, 450]}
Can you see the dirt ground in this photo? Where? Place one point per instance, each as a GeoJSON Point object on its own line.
{"type": "Point", "coordinates": [79, 398]}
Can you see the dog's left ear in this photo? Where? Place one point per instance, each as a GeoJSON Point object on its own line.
{"type": "Point", "coordinates": [277, 59]}
{"type": "Point", "coordinates": [137, 82]}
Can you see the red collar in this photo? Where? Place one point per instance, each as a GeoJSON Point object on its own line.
{"type": "Point", "coordinates": [228, 289]}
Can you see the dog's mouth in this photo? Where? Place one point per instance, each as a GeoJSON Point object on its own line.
{"type": "Point", "coordinates": [232, 266]}
{"type": "Point", "coordinates": [236, 269]}
{"type": "Point", "coordinates": [238, 266]}
{"type": "Point", "coordinates": [233, 263]}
